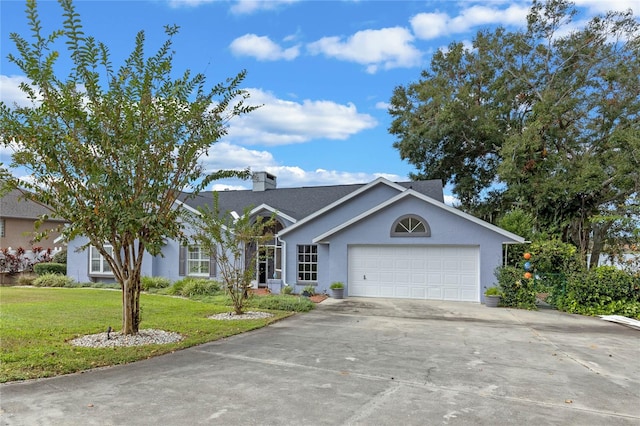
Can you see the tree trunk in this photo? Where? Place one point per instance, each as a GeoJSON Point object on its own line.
{"type": "Point", "coordinates": [130, 306]}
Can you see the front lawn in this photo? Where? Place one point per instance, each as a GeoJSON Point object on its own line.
{"type": "Point", "coordinates": [37, 323]}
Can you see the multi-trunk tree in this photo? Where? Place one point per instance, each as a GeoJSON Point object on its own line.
{"type": "Point", "coordinates": [110, 149]}
{"type": "Point", "coordinates": [234, 241]}
{"type": "Point", "coordinates": [546, 119]}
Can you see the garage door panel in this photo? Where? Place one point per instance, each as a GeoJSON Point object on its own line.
{"type": "Point", "coordinates": [419, 272]}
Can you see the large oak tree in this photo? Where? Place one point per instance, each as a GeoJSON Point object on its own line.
{"type": "Point", "coordinates": [109, 149]}
{"type": "Point", "coordinates": [546, 118]}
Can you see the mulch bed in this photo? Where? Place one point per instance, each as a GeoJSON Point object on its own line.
{"type": "Point", "coordinates": [264, 291]}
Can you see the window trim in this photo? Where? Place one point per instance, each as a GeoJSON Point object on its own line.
{"type": "Point", "coordinates": [409, 232]}
{"type": "Point", "coordinates": [203, 259]}
{"type": "Point", "coordinates": [103, 262]}
{"type": "Point", "coordinates": [312, 263]}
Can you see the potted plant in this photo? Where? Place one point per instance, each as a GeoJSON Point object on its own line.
{"type": "Point", "coordinates": [337, 290]}
{"type": "Point", "coordinates": [492, 297]}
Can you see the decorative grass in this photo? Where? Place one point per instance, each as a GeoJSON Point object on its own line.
{"type": "Point", "coordinates": [36, 325]}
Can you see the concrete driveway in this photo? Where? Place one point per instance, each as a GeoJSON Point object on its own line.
{"type": "Point", "coordinates": [365, 362]}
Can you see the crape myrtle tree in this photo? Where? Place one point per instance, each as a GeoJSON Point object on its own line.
{"type": "Point", "coordinates": [233, 239]}
{"type": "Point", "coordinates": [546, 119]}
{"type": "Point", "coordinates": [109, 149]}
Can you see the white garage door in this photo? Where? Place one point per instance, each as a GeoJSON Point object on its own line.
{"type": "Point", "coordinates": [414, 272]}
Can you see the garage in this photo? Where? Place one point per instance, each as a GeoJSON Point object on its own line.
{"type": "Point", "coordinates": [438, 272]}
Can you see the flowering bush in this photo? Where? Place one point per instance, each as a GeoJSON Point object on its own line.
{"type": "Point", "coordinates": [21, 260]}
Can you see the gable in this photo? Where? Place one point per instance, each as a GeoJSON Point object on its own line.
{"type": "Point", "coordinates": [440, 218]}
{"type": "Point", "coordinates": [357, 202]}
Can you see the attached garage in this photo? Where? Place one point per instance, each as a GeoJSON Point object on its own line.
{"type": "Point", "coordinates": [438, 272]}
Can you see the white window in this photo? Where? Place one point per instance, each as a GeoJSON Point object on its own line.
{"type": "Point", "coordinates": [410, 226]}
{"type": "Point", "coordinates": [198, 260]}
{"type": "Point", "coordinates": [99, 264]}
{"type": "Point", "coordinates": [307, 263]}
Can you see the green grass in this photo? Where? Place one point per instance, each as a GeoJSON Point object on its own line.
{"type": "Point", "coordinates": [36, 325]}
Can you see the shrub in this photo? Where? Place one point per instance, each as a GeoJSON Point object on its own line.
{"type": "Point", "coordinates": [309, 290]}
{"type": "Point", "coordinates": [517, 291]}
{"type": "Point", "coordinates": [50, 268]}
{"type": "Point", "coordinates": [281, 303]}
{"type": "Point", "coordinates": [26, 279]}
{"type": "Point", "coordinates": [188, 287]}
{"type": "Point", "coordinates": [336, 285]}
{"type": "Point", "coordinates": [287, 289]}
{"type": "Point", "coordinates": [148, 283]}
{"type": "Point", "coordinates": [53, 280]}
{"type": "Point", "coordinates": [554, 256]}
{"type": "Point", "coordinates": [60, 257]}
{"type": "Point", "coordinates": [605, 290]}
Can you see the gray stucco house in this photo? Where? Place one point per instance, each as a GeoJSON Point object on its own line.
{"type": "Point", "coordinates": [381, 239]}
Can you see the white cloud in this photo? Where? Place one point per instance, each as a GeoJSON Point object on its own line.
{"type": "Point", "coordinates": [244, 7]}
{"type": "Point", "coordinates": [188, 3]}
{"type": "Point", "coordinates": [225, 155]}
{"type": "Point", "coordinates": [10, 92]}
{"type": "Point", "coordinates": [428, 26]}
{"type": "Point", "coordinates": [384, 48]}
{"type": "Point", "coordinates": [599, 6]}
{"type": "Point", "coordinates": [383, 105]}
{"type": "Point", "coordinates": [294, 177]}
{"type": "Point", "coordinates": [262, 48]}
{"type": "Point", "coordinates": [282, 122]}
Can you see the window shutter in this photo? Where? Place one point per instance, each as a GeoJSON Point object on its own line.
{"type": "Point", "coordinates": [182, 261]}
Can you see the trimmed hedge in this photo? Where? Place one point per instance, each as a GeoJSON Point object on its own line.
{"type": "Point", "coordinates": [50, 268]}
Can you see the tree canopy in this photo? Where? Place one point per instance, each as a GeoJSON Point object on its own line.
{"type": "Point", "coordinates": [110, 148]}
{"type": "Point", "coordinates": [545, 119]}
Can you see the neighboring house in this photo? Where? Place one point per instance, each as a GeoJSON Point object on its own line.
{"type": "Point", "coordinates": [381, 239]}
{"type": "Point", "coordinates": [17, 223]}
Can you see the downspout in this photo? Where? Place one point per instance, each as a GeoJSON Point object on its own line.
{"type": "Point", "coordinates": [283, 254]}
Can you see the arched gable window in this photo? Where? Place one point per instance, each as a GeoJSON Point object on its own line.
{"type": "Point", "coordinates": [410, 225]}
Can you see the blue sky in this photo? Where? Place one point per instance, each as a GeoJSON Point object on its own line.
{"type": "Point", "coordinates": [324, 70]}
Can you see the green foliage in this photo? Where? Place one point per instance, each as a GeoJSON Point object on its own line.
{"type": "Point", "coordinates": [281, 303]}
{"type": "Point", "coordinates": [60, 257]}
{"type": "Point", "coordinates": [493, 291]}
{"type": "Point", "coordinates": [554, 256]}
{"type": "Point", "coordinates": [604, 290]}
{"type": "Point", "coordinates": [517, 292]}
{"type": "Point", "coordinates": [149, 283]}
{"type": "Point", "coordinates": [519, 222]}
{"type": "Point", "coordinates": [309, 290]}
{"type": "Point", "coordinates": [53, 280]}
{"type": "Point", "coordinates": [147, 123]}
{"type": "Point", "coordinates": [50, 268]}
{"type": "Point", "coordinates": [336, 285]}
{"type": "Point", "coordinates": [551, 110]}
{"type": "Point", "coordinates": [233, 240]}
{"type": "Point", "coordinates": [190, 286]}
{"type": "Point", "coordinates": [287, 289]}
{"type": "Point", "coordinates": [26, 279]}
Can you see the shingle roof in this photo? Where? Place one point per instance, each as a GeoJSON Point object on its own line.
{"type": "Point", "coordinates": [298, 202]}
{"type": "Point", "coordinates": [14, 205]}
